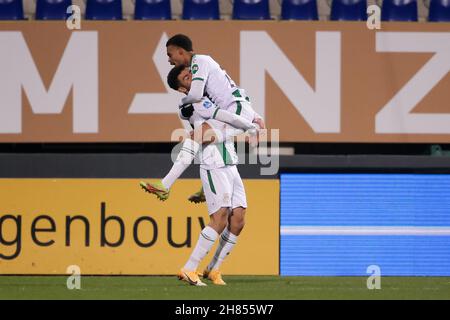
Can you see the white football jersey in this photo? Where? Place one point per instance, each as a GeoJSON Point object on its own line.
{"type": "Point", "coordinates": [219, 87]}
{"type": "Point", "coordinates": [207, 109]}
{"type": "Point", "coordinates": [218, 155]}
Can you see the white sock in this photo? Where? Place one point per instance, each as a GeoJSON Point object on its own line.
{"type": "Point", "coordinates": [204, 244]}
{"type": "Point", "coordinates": [185, 157]}
{"type": "Point", "coordinates": [226, 244]}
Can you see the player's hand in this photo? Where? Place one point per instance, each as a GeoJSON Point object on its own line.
{"type": "Point", "coordinates": [254, 139]}
{"type": "Point", "coordinates": [186, 111]}
{"type": "Point", "coordinates": [260, 122]}
{"type": "Point", "coordinates": [253, 131]}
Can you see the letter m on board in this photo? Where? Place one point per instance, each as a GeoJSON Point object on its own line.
{"type": "Point", "coordinates": [77, 72]}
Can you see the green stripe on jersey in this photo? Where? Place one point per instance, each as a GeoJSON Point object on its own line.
{"type": "Point", "coordinates": [215, 112]}
{"type": "Point", "coordinates": [211, 184]}
{"type": "Point", "coordinates": [201, 79]}
{"type": "Point", "coordinates": [238, 108]}
{"type": "Point", "coordinates": [236, 93]}
{"type": "Point", "coordinates": [224, 153]}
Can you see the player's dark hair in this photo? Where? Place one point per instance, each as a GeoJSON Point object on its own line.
{"type": "Point", "coordinates": [181, 41]}
{"type": "Point", "coordinates": [172, 77]}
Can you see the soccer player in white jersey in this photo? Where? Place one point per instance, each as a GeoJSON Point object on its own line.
{"type": "Point", "coordinates": [213, 82]}
{"type": "Point", "coordinates": [210, 80]}
{"type": "Point", "coordinates": [180, 79]}
{"type": "Point", "coordinates": [226, 202]}
{"type": "Point", "coordinates": [221, 181]}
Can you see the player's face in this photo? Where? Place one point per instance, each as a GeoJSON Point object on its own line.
{"type": "Point", "coordinates": [185, 79]}
{"type": "Point", "coordinates": [175, 55]}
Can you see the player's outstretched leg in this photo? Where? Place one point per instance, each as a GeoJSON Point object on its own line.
{"type": "Point", "coordinates": [204, 244]}
{"type": "Point", "coordinates": [157, 188]}
{"type": "Point", "coordinates": [184, 159]}
{"type": "Point", "coordinates": [189, 149]}
{"type": "Point", "coordinates": [161, 188]}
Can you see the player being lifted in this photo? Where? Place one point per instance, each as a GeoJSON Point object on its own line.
{"type": "Point", "coordinates": [209, 79]}
{"type": "Point", "coordinates": [222, 184]}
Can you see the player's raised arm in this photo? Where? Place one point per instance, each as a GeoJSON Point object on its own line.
{"type": "Point", "coordinates": [200, 72]}
{"type": "Point", "coordinates": [196, 92]}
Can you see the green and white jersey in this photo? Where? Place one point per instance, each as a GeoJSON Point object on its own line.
{"type": "Point", "coordinates": [218, 155]}
{"type": "Point", "coordinates": [208, 110]}
{"type": "Point", "coordinates": [217, 84]}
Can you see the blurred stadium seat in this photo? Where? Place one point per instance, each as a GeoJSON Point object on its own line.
{"type": "Point", "coordinates": [52, 9]}
{"type": "Point", "coordinates": [104, 10]}
{"type": "Point", "coordinates": [399, 10]}
{"type": "Point", "coordinates": [152, 10]}
{"type": "Point", "coordinates": [11, 10]}
{"type": "Point", "coordinates": [201, 10]}
{"type": "Point", "coordinates": [349, 10]}
{"type": "Point", "coordinates": [251, 10]}
{"type": "Point", "coordinates": [439, 11]}
{"type": "Point", "coordinates": [299, 10]}
{"type": "Point", "coordinates": [393, 10]}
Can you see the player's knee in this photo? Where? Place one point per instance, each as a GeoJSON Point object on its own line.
{"type": "Point", "coordinates": [223, 219]}
{"type": "Point", "coordinates": [238, 221]}
{"type": "Point", "coordinates": [219, 220]}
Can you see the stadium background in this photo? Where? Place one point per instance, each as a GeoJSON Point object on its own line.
{"type": "Point", "coordinates": [347, 194]}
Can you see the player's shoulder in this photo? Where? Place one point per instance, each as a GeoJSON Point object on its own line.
{"type": "Point", "coordinates": [202, 59]}
{"type": "Point", "coordinates": [205, 108]}
{"type": "Point", "coordinates": [205, 103]}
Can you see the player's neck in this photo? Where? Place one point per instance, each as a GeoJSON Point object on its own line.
{"type": "Point", "coordinates": [191, 56]}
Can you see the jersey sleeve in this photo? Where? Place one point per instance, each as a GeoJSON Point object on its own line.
{"type": "Point", "coordinates": [200, 69]}
{"type": "Point", "coordinates": [205, 108]}
{"type": "Point", "coordinates": [200, 72]}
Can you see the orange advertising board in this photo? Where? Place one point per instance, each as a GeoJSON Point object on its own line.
{"type": "Point", "coordinates": [110, 226]}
